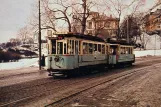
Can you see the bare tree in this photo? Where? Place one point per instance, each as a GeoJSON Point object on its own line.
{"type": "Point", "coordinates": [69, 11]}
{"type": "Point", "coordinates": [62, 10]}
{"type": "Point", "coordinates": [86, 9]}
{"type": "Point", "coordinates": [81, 12]}
{"type": "Point", "coordinates": [47, 17]}
{"type": "Point", "coordinates": [133, 31]}
{"type": "Point", "coordinates": [24, 34]}
{"type": "Point", "coordinates": [118, 7]}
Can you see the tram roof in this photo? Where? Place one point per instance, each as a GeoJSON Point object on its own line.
{"type": "Point", "coordinates": [81, 36]}
{"type": "Point", "coordinates": [120, 42]}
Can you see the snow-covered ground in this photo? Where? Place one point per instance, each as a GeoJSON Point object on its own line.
{"type": "Point", "coordinates": [147, 52]}
{"type": "Point", "coordinates": [20, 64]}
{"type": "Point", "coordinates": [34, 61]}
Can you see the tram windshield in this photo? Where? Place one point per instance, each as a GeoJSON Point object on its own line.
{"type": "Point", "coordinates": [64, 47]}
{"type": "Point", "coordinates": [53, 49]}
{"type": "Point", "coordinates": [59, 47]}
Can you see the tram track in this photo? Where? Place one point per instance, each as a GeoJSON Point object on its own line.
{"type": "Point", "coordinates": [17, 87]}
{"type": "Point", "coordinates": [50, 90]}
{"type": "Point", "coordinates": [69, 82]}
{"type": "Point", "coordinates": [15, 75]}
{"type": "Point", "coordinates": [110, 80]}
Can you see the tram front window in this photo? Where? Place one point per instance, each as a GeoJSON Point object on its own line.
{"type": "Point", "coordinates": [59, 47]}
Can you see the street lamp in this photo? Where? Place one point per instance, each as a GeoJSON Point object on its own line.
{"type": "Point", "coordinates": [39, 40]}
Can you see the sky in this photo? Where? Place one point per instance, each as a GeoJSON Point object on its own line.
{"type": "Point", "coordinates": [14, 14]}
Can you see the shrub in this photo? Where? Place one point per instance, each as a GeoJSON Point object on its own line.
{"type": "Point", "coordinates": [7, 56]}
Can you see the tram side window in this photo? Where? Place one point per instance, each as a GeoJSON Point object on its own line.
{"type": "Point", "coordinates": [90, 48]}
{"type": "Point", "coordinates": [107, 50]}
{"type": "Point", "coordinates": [95, 47]}
{"type": "Point", "coordinates": [79, 47]}
{"type": "Point", "coordinates": [122, 50]}
{"type": "Point", "coordinates": [59, 47]}
{"type": "Point", "coordinates": [129, 50]}
{"type": "Point", "coordinates": [65, 48]}
{"type": "Point", "coordinates": [99, 48]}
{"type": "Point", "coordinates": [103, 49]}
{"type": "Point", "coordinates": [53, 46]}
{"type": "Point", "coordinates": [126, 50]}
{"type": "Point", "coordinates": [85, 48]}
{"type": "Point", "coordinates": [72, 52]}
{"type": "Point", "coordinates": [76, 47]}
{"type": "Point", "coordinates": [69, 47]}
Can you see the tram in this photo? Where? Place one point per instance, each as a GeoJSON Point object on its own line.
{"type": "Point", "coordinates": [68, 53]}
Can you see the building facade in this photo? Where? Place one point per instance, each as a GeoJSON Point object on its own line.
{"type": "Point", "coordinates": [153, 21]}
{"type": "Point", "coordinates": [102, 25]}
{"type": "Point", "coordinates": [97, 24]}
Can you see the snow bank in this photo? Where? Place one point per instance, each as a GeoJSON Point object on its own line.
{"type": "Point", "coordinates": [20, 64]}
{"type": "Point", "coordinates": [147, 52]}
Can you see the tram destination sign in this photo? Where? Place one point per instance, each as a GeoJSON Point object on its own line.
{"type": "Point", "coordinates": [57, 37]}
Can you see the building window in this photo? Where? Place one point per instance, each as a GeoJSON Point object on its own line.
{"type": "Point", "coordinates": [90, 25]}
{"type": "Point", "coordinates": [85, 48]}
{"type": "Point", "coordinates": [107, 25]}
{"type": "Point", "coordinates": [99, 48]}
{"type": "Point", "coordinates": [90, 48]}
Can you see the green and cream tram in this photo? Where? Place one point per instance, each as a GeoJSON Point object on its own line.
{"type": "Point", "coordinates": [68, 53]}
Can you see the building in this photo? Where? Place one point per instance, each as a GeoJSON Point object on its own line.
{"type": "Point", "coordinates": [153, 21]}
{"type": "Point", "coordinates": [102, 25]}
{"type": "Point", "coordinates": [97, 24]}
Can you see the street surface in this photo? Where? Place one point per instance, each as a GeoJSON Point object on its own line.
{"type": "Point", "coordinates": [133, 86]}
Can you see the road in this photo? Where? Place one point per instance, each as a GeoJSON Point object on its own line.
{"type": "Point", "coordinates": [138, 85]}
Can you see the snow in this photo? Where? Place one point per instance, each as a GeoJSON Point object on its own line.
{"type": "Point", "coordinates": [20, 64]}
{"type": "Point", "coordinates": [34, 61]}
{"type": "Point", "coordinates": [147, 52]}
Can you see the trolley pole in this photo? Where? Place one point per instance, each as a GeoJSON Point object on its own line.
{"type": "Point", "coordinates": [39, 40]}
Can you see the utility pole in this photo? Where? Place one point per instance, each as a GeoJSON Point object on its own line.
{"type": "Point", "coordinates": [127, 29]}
{"type": "Point", "coordinates": [39, 40]}
{"type": "Point", "coordinates": [155, 46]}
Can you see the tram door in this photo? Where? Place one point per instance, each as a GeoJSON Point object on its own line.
{"type": "Point", "coordinates": [76, 53]}
{"type": "Point", "coordinates": [113, 54]}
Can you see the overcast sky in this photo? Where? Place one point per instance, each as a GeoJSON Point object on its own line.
{"type": "Point", "coordinates": [14, 14]}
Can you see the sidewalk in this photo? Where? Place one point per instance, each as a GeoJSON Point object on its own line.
{"type": "Point", "coordinates": [20, 71]}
